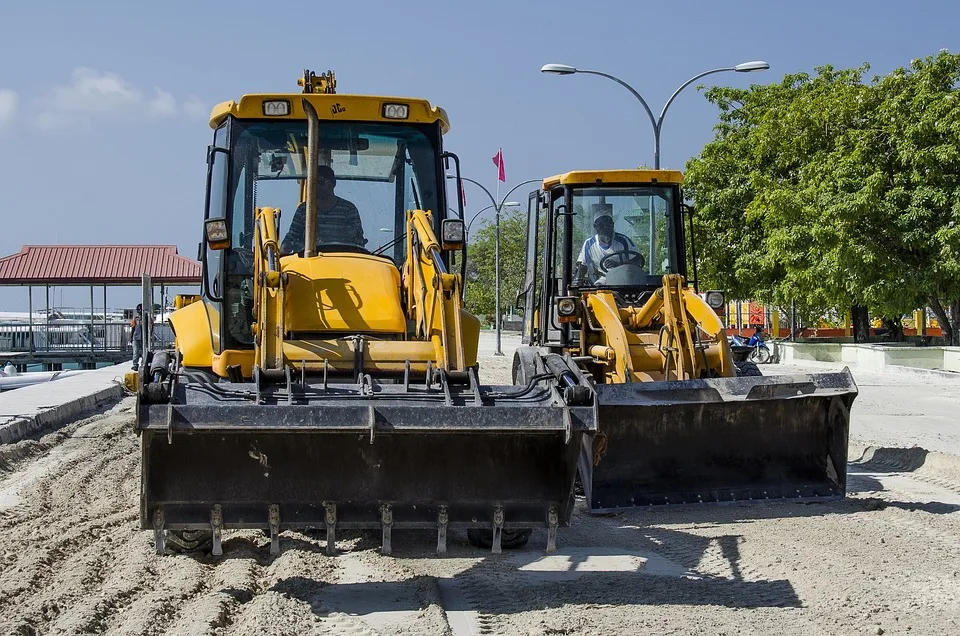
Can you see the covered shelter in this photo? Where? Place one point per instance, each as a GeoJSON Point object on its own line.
{"type": "Point", "coordinates": [90, 266]}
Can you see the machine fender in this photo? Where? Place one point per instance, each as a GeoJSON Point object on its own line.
{"type": "Point", "coordinates": [196, 328]}
{"type": "Point", "coordinates": [470, 328]}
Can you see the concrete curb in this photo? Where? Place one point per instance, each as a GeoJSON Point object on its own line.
{"type": "Point", "coordinates": [855, 368]}
{"type": "Point", "coordinates": [58, 415]}
{"type": "Point", "coordinates": [46, 406]}
{"type": "Point", "coordinates": [939, 373]}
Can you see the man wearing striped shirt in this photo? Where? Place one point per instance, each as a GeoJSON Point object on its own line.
{"type": "Point", "coordinates": [338, 220]}
{"type": "Point", "coordinates": [605, 242]}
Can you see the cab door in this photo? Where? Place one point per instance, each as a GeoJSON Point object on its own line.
{"type": "Point", "coordinates": [529, 294]}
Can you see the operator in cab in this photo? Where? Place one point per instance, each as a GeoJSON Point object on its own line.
{"type": "Point", "coordinates": [602, 244]}
{"type": "Point", "coordinates": [338, 220]}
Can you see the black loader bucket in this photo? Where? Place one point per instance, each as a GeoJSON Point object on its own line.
{"type": "Point", "coordinates": [359, 456]}
{"type": "Point", "coordinates": [718, 440]}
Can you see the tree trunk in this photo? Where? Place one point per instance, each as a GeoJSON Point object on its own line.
{"type": "Point", "coordinates": [895, 327]}
{"type": "Point", "coordinates": [950, 335]}
{"type": "Point", "coordinates": [861, 323]}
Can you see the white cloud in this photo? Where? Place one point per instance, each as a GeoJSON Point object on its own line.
{"type": "Point", "coordinates": [195, 108]}
{"type": "Point", "coordinates": [8, 106]}
{"type": "Point", "coordinates": [162, 105]}
{"type": "Point", "coordinates": [93, 94]}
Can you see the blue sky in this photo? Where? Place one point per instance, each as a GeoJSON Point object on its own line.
{"type": "Point", "coordinates": [103, 104]}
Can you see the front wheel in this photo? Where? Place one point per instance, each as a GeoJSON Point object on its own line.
{"type": "Point", "coordinates": [509, 539]}
{"type": "Point", "coordinates": [747, 369]}
{"type": "Point", "coordinates": [760, 355]}
{"type": "Point", "coordinates": [184, 541]}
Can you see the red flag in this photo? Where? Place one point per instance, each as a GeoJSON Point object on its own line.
{"type": "Point", "coordinates": [463, 194]}
{"type": "Point", "coordinates": [498, 162]}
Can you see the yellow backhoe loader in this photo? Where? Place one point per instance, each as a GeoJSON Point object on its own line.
{"type": "Point", "coordinates": [678, 420]}
{"type": "Point", "coordinates": [327, 376]}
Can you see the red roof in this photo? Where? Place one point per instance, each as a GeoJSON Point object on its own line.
{"type": "Point", "coordinates": [97, 265]}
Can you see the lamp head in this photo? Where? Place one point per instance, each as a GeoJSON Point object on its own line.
{"type": "Point", "coordinates": [747, 67]}
{"type": "Point", "coordinates": [558, 69]}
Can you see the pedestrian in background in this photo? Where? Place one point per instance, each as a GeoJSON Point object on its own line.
{"type": "Point", "coordinates": [136, 336]}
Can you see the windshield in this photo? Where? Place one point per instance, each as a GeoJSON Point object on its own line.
{"type": "Point", "coordinates": [369, 175]}
{"type": "Point", "coordinates": [624, 236]}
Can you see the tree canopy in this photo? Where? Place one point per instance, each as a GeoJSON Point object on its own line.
{"type": "Point", "coordinates": [833, 191]}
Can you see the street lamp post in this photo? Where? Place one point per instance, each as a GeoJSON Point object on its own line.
{"type": "Point", "coordinates": [498, 206]}
{"type": "Point", "coordinates": [473, 218]}
{"type": "Point", "coordinates": [746, 67]}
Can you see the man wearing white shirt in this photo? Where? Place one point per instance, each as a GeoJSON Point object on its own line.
{"type": "Point", "coordinates": [605, 242]}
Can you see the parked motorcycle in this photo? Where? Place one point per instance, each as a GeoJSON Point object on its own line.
{"type": "Point", "coordinates": [753, 348]}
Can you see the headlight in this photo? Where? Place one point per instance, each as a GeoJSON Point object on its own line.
{"type": "Point", "coordinates": [396, 111]}
{"type": "Point", "coordinates": [714, 299]}
{"type": "Point", "coordinates": [216, 231]}
{"type": "Point", "coordinates": [451, 234]}
{"type": "Point", "coordinates": [276, 108]}
{"type": "Point", "coordinates": [566, 306]}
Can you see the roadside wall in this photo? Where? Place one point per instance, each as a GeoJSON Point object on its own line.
{"type": "Point", "coordinates": [872, 356]}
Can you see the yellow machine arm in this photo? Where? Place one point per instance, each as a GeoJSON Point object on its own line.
{"type": "Point", "coordinates": [673, 336]}
{"type": "Point", "coordinates": [434, 301]}
{"type": "Point", "coordinates": [268, 291]}
{"type": "Point", "coordinates": [434, 297]}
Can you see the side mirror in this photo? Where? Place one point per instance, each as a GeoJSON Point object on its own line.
{"type": "Point", "coordinates": [452, 234]}
{"type": "Point", "coordinates": [520, 301]}
{"type": "Point", "coordinates": [215, 231]}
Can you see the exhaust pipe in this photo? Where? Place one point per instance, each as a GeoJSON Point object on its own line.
{"type": "Point", "coordinates": [313, 158]}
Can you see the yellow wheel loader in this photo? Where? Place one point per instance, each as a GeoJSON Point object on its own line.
{"type": "Point", "coordinates": [678, 420]}
{"type": "Point", "coordinates": [327, 376]}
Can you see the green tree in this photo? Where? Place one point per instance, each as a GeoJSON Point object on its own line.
{"type": "Point", "coordinates": [481, 274]}
{"type": "Point", "coordinates": [836, 192]}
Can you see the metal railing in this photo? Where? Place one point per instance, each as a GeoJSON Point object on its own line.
{"type": "Point", "coordinates": [76, 336]}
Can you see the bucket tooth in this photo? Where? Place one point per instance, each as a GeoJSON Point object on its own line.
{"type": "Point", "coordinates": [497, 529]}
{"type": "Point", "coordinates": [158, 533]}
{"type": "Point", "coordinates": [330, 517]}
{"type": "Point", "coordinates": [386, 520]}
{"type": "Point", "coordinates": [552, 522]}
{"type": "Point", "coordinates": [216, 524]}
{"type": "Point", "coordinates": [442, 519]}
{"type": "Point", "coordinates": [274, 516]}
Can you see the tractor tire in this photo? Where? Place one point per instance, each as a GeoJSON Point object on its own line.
{"type": "Point", "coordinates": [747, 369]}
{"type": "Point", "coordinates": [509, 539]}
{"type": "Point", "coordinates": [524, 365]}
{"type": "Point", "coordinates": [184, 541]}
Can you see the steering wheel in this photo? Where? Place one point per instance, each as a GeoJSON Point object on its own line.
{"type": "Point", "coordinates": [623, 258]}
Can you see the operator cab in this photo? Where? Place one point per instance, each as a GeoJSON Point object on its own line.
{"type": "Point", "coordinates": [377, 158]}
{"type": "Point", "coordinates": [616, 230]}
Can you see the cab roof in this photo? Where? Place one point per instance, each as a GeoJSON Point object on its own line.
{"type": "Point", "coordinates": [331, 107]}
{"type": "Point", "coordinates": [600, 177]}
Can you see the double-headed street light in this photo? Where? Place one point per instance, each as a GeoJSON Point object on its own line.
{"type": "Point", "coordinates": [508, 204]}
{"type": "Point", "coordinates": [746, 67]}
{"type": "Point", "coordinates": [466, 231]}
{"type": "Point", "coordinates": [498, 206]}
